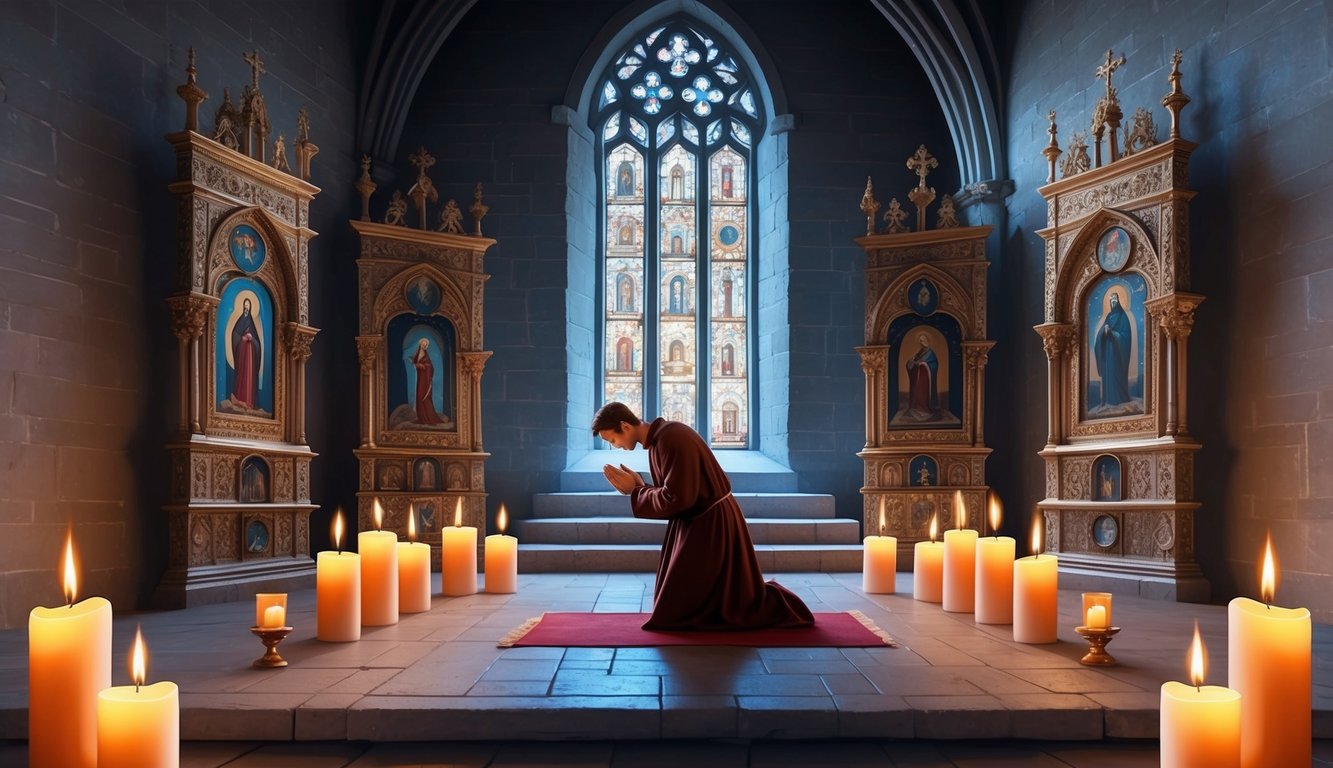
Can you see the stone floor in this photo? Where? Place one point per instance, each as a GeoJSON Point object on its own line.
{"type": "Point", "coordinates": [954, 688]}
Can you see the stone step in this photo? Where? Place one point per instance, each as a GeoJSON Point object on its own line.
{"type": "Point", "coordinates": [629, 530]}
{"type": "Point", "coordinates": [753, 505]}
{"type": "Point", "coordinates": [643, 558]}
{"type": "Point", "coordinates": [748, 471]}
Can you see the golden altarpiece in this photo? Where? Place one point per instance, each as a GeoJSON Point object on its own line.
{"type": "Point", "coordinates": [420, 292]}
{"type": "Point", "coordinates": [1120, 507]}
{"type": "Point", "coordinates": [924, 361]}
{"type": "Point", "coordinates": [239, 505]}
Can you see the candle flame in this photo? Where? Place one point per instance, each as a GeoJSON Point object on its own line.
{"type": "Point", "coordinates": [338, 530]}
{"type": "Point", "coordinates": [378, 513]}
{"type": "Point", "coordinates": [1198, 659]}
{"type": "Point", "coordinates": [881, 515]}
{"type": "Point", "coordinates": [71, 574]}
{"type": "Point", "coordinates": [138, 660]}
{"type": "Point", "coordinates": [1036, 535]}
{"type": "Point", "coordinates": [995, 513]}
{"type": "Point", "coordinates": [502, 519]}
{"type": "Point", "coordinates": [1268, 578]}
{"type": "Point", "coordinates": [412, 523]}
{"type": "Point", "coordinates": [959, 510]}
{"type": "Point", "coordinates": [458, 513]}
{"type": "Point", "coordinates": [934, 528]}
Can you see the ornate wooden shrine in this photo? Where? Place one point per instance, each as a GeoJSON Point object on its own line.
{"type": "Point", "coordinates": [1120, 508]}
{"type": "Point", "coordinates": [239, 506]}
{"type": "Point", "coordinates": [924, 361]}
{"type": "Point", "coordinates": [420, 298]}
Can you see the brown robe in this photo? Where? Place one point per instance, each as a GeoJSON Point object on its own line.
{"type": "Point", "coordinates": [708, 577]}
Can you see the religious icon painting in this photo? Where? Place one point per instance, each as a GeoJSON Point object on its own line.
{"type": "Point", "coordinates": [922, 471]}
{"type": "Point", "coordinates": [243, 352]}
{"type": "Point", "coordinates": [925, 382]}
{"type": "Point", "coordinates": [726, 235]}
{"type": "Point", "coordinates": [389, 476]}
{"type": "Point", "coordinates": [246, 247]}
{"type": "Point", "coordinates": [1106, 478]}
{"type": "Point", "coordinates": [254, 480]}
{"type": "Point", "coordinates": [426, 475]}
{"type": "Point", "coordinates": [423, 295]}
{"type": "Point", "coordinates": [923, 297]}
{"type": "Point", "coordinates": [1114, 347]}
{"type": "Point", "coordinates": [256, 537]}
{"type": "Point", "coordinates": [421, 387]}
{"type": "Point", "coordinates": [1113, 249]}
{"type": "Point", "coordinates": [1105, 531]}
{"type": "Point", "coordinates": [426, 517]}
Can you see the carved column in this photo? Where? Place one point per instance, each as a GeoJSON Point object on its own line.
{"type": "Point", "coordinates": [298, 338]}
{"type": "Point", "coordinates": [872, 365]}
{"type": "Point", "coordinates": [1055, 341]}
{"type": "Point", "coordinates": [368, 351]}
{"type": "Point", "coordinates": [472, 363]}
{"type": "Point", "coordinates": [187, 324]}
{"type": "Point", "coordinates": [975, 354]}
{"type": "Point", "coordinates": [1175, 314]}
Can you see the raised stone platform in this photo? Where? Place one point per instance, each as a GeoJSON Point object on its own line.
{"type": "Point", "coordinates": [438, 675]}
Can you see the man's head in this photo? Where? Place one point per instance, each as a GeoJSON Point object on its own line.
{"type": "Point", "coordinates": [245, 306]}
{"type": "Point", "coordinates": [616, 424]}
{"type": "Point", "coordinates": [925, 340]}
{"type": "Point", "coordinates": [1115, 300]}
{"type": "Point", "coordinates": [423, 343]}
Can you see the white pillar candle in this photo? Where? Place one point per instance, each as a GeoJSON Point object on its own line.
{"type": "Point", "coordinates": [995, 580]}
{"type": "Point", "coordinates": [960, 562]}
{"type": "Point", "coordinates": [458, 557]}
{"type": "Point", "coordinates": [1268, 664]}
{"type": "Point", "coordinates": [413, 570]}
{"type": "Point", "coordinates": [879, 564]}
{"type": "Point", "coordinates": [928, 568]}
{"type": "Point", "coordinates": [379, 573]}
{"type": "Point", "coordinates": [338, 592]}
{"type": "Point", "coordinates": [138, 726]}
{"type": "Point", "coordinates": [1199, 724]}
{"type": "Point", "coordinates": [501, 558]}
{"type": "Point", "coordinates": [69, 662]}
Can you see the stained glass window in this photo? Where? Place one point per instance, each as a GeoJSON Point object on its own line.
{"type": "Point", "coordinates": [676, 270]}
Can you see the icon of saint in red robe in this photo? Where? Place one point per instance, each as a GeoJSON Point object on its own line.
{"type": "Point", "coordinates": [246, 351]}
{"type": "Point", "coordinates": [425, 404]}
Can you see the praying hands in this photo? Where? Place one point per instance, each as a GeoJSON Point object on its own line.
{"type": "Point", "coordinates": [622, 478]}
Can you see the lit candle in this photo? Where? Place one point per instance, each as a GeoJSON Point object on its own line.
{"type": "Point", "coordinates": [960, 562]}
{"type": "Point", "coordinates": [1036, 587]}
{"type": "Point", "coordinates": [1268, 664]}
{"type": "Point", "coordinates": [879, 567]}
{"type": "Point", "coordinates": [338, 591]}
{"type": "Point", "coordinates": [501, 559]}
{"type": "Point", "coordinates": [270, 610]}
{"type": "Point", "coordinates": [928, 568]}
{"type": "Point", "coordinates": [379, 573]}
{"type": "Point", "coordinates": [995, 572]}
{"type": "Point", "coordinates": [1200, 724]}
{"type": "Point", "coordinates": [413, 569]}
{"type": "Point", "coordinates": [1097, 610]}
{"type": "Point", "coordinates": [69, 661]}
{"type": "Point", "coordinates": [139, 726]}
{"type": "Point", "coordinates": [458, 556]}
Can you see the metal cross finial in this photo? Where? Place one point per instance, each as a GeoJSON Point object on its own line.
{"type": "Point", "coordinates": [421, 159]}
{"type": "Point", "coordinates": [256, 67]}
{"type": "Point", "coordinates": [921, 163]}
{"type": "Point", "coordinates": [1107, 69]}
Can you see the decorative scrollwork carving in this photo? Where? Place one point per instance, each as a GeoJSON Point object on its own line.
{"type": "Point", "coordinates": [188, 313]}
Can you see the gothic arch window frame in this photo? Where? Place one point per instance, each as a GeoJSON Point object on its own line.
{"type": "Point", "coordinates": [670, 101]}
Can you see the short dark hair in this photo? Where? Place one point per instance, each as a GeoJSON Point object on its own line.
{"type": "Point", "coordinates": [611, 415]}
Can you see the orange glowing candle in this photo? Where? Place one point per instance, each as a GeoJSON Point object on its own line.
{"type": "Point", "coordinates": [139, 726]}
{"type": "Point", "coordinates": [995, 572]}
{"type": "Point", "coordinates": [413, 569]}
{"type": "Point", "coordinates": [270, 609]}
{"type": "Point", "coordinates": [879, 565]}
{"type": "Point", "coordinates": [1200, 724]}
{"type": "Point", "coordinates": [960, 562]}
{"type": "Point", "coordinates": [1036, 592]}
{"type": "Point", "coordinates": [69, 662]}
{"type": "Point", "coordinates": [1268, 664]}
{"type": "Point", "coordinates": [338, 591]}
{"type": "Point", "coordinates": [501, 558]}
{"type": "Point", "coordinates": [379, 573]}
{"type": "Point", "coordinates": [928, 567]}
{"type": "Point", "coordinates": [458, 556]}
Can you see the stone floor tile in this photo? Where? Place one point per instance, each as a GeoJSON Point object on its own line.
{"type": "Point", "coordinates": [694, 683]}
{"type": "Point", "coordinates": [819, 752]}
{"type": "Point", "coordinates": [959, 717]}
{"type": "Point", "coordinates": [321, 755]}
{"type": "Point", "coordinates": [248, 716]}
{"type": "Point", "coordinates": [874, 716]}
{"type": "Point", "coordinates": [938, 653]}
{"type": "Point", "coordinates": [676, 754]}
{"type": "Point", "coordinates": [699, 717]}
{"type": "Point", "coordinates": [511, 688]}
{"type": "Point", "coordinates": [522, 669]}
{"type": "Point", "coordinates": [1075, 681]}
{"type": "Point", "coordinates": [838, 666]}
{"type": "Point", "coordinates": [427, 755]}
{"type": "Point", "coordinates": [1106, 754]}
{"type": "Point", "coordinates": [363, 681]}
{"type": "Point", "coordinates": [577, 683]}
{"type": "Point", "coordinates": [194, 754]}
{"type": "Point", "coordinates": [786, 717]}
{"type": "Point", "coordinates": [923, 681]}
{"type": "Point", "coordinates": [849, 684]}
{"type": "Point", "coordinates": [298, 680]}
{"type": "Point", "coordinates": [589, 654]}
{"type": "Point", "coordinates": [437, 679]}
{"type": "Point", "coordinates": [1130, 715]}
{"type": "Point", "coordinates": [603, 665]}
{"type": "Point", "coordinates": [1011, 756]}
{"type": "Point", "coordinates": [1054, 716]}
{"type": "Point", "coordinates": [323, 717]}
{"type": "Point", "coordinates": [445, 718]}
{"type": "Point", "coordinates": [539, 652]}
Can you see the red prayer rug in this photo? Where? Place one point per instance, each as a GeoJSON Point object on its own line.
{"type": "Point", "coordinates": [851, 629]}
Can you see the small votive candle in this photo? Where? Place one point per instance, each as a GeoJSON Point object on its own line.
{"type": "Point", "coordinates": [1097, 610]}
{"type": "Point", "coordinates": [270, 610]}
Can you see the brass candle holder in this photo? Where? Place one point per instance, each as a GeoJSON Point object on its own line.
{"type": "Point", "coordinates": [271, 636]}
{"type": "Point", "coordinates": [1097, 638]}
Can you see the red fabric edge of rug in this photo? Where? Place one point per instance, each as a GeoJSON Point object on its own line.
{"type": "Point", "coordinates": [625, 630]}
